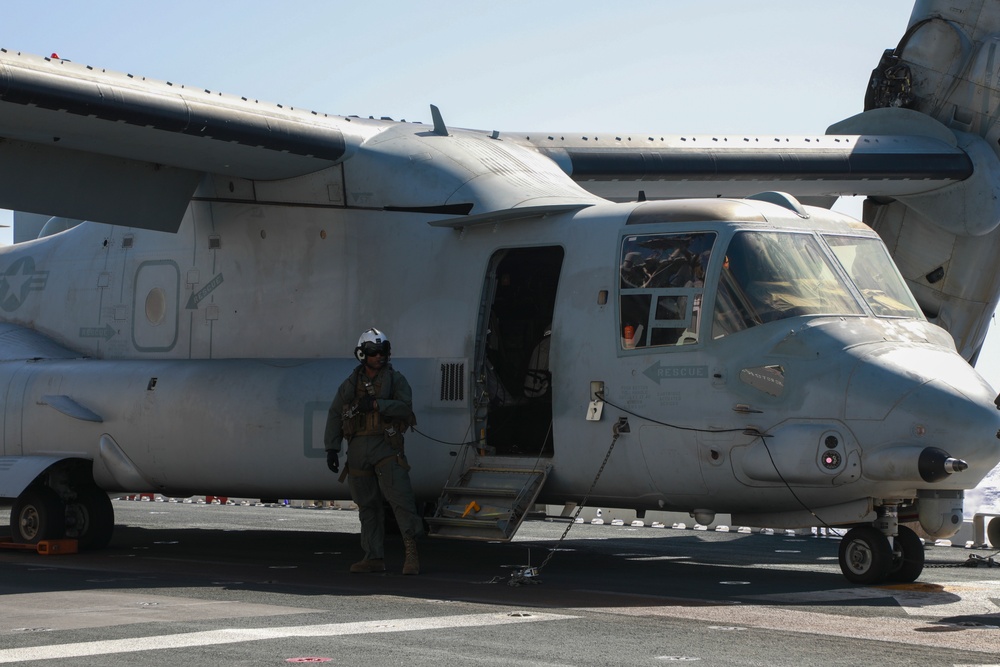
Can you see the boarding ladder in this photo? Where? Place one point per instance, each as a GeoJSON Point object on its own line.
{"type": "Point", "coordinates": [490, 499]}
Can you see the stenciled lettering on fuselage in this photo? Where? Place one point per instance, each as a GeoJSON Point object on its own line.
{"type": "Point", "coordinates": [201, 294]}
{"type": "Point", "coordinates": [656, 372]}
{"type": "Point", "coordinates": [18, 280]}
{"type": "Point", "coordinates": [768, 379]}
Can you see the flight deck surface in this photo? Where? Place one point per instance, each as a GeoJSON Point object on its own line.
{"type": "Point", "coordinates": [199, 584]}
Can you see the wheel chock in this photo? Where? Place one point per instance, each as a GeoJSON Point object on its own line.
{"type": "Point", "coordinates": [43, 547]}
{"type": "Point", "coordinates": [56, 547]}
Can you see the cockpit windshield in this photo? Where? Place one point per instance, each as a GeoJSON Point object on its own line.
{"type": "Point", "coordinates": [769, 276]}
{"type": "Point", "coordinates": [867, 262]}
{"type": "Point", "coordinates": [763, 276]}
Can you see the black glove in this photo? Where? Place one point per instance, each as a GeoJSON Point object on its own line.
{"type": "Point", "coordinates": [366, 403]}
{"type": "Point", "coordinates": [333, 460]}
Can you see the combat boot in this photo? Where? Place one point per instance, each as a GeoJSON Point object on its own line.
{"type": "Point", "coordinates": [412, 564]}
{"type": "Point", "coordinates": [365, 566]}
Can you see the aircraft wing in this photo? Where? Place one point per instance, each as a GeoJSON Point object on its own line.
{"type": "Point", "coordinates": [617, 167]}
{"type": "Point", "coordinates": [124, 148]}
{"type": "Point", "coordinates": [128, 150]}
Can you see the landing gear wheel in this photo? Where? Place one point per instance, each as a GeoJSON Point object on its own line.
{"type": "Point", "coordinates": [90, 518]}
{"type": "Point", "coordinates": [38, 514]}
{"type": "Point", "coordinates": [993, 532]}
{"type": "Point", "coordinates": [907, 557]}
{"type": "Point", "coordinates": [865, 555]}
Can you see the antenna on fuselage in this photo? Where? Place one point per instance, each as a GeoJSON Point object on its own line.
{"type": "Point", "coordinates": [439, 126]}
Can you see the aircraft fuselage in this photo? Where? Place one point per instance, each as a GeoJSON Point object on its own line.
{"type": "Point", "coordinates": [212, 355]}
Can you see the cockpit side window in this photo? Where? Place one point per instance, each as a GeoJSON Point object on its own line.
{"type": "Point", "coordinates": [768, 276]}
{"type": "Point", "coordinates": [662, 279]}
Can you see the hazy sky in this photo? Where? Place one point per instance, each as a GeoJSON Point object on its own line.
{"type": "Point", "coordinates": [728, 66]}
{"type": "Point", "coordinates": [669, 67]}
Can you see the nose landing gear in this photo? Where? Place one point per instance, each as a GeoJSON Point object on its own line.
{"type": "Point", "coordinates": [890, 552]}
{"type": "Point", "coordinates": [907, 557]}
{"type": "Point", "coordinates": [865, 555]}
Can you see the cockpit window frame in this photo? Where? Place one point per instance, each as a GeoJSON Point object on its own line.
{"type": "Point", "coordinates": [849, 299]}
{"type": "Point", "coordinates": [661, 313]}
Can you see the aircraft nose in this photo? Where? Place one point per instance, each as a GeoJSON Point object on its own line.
{"type": "Point", "coordinates": [933, 413]}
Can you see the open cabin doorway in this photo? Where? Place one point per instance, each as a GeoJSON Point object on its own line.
{"type": "Point", "coordinates": [513, 341]}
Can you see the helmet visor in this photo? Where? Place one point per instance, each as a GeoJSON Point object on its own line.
{"type": "Point", "coordinates": [370, 349]}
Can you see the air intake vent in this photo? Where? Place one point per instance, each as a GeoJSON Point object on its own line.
{"type": "Point", "coordinates": [451, 383]}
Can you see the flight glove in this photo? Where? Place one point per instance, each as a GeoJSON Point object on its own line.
{"type": "Point", "coordinates": [333, 460]}
{"type": "Point", "coordinates": [366, 403]}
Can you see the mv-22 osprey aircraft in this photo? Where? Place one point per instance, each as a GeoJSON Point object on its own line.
{"type": "Point", "coordinates": [719, 340]}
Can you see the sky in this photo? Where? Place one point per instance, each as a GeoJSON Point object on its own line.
{"type": "Point", "coordinates": [663, 66]}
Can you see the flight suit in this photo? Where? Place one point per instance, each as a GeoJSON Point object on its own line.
{"type": "Point", "coordinates": [376, 466]}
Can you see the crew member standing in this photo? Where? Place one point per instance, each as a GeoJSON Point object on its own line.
{"type": "Point", "coordinates": [371, 410]}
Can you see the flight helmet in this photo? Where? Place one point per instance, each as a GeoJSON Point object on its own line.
{"type": "Point", "coordinates": [372, 342]}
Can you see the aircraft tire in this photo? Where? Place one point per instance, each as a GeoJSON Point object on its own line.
{"type": "Point", "coordinates": [93, 516]}
{"type": "Point", "coordinates": [993, 532]}
{"type": "Point", "coordinates": [907, 557]}
{"type": "Point", "coordinates": [38, 514]}
{"type": "Point", "coordinates": [865, 555]}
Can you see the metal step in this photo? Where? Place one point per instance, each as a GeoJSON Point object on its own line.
{"type": "Point", "coordinates": [466, 529]}
{"type": "Point", "coordinates": [489, 499]}
{"type": "Point", "coordinates": [481, 490]}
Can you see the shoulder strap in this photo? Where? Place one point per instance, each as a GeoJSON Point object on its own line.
{"type": "Point", "coordinates": [355, 378]}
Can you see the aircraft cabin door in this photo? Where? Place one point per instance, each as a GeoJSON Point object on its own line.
{"type": "Point", "coordinates": [512, 345]}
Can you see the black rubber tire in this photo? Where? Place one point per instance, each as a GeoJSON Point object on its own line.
{"type": "Point", "coordinates": [907, 557]}
{"type": "Point", "coordinates": [993, 532]}
{"type": "Point", "coordinates": [865, 555]}
{"type": "Point", "coordinates": [38, 514]}
{"type": "Point", "coordinates": [94, 518]}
